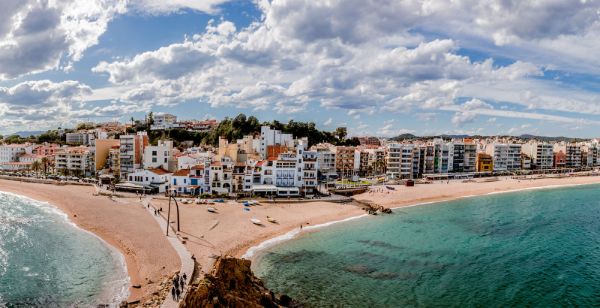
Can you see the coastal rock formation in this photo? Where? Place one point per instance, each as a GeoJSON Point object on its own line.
{"type": "Point", "coordinates": [372, 208]}
{"type": "Point", "coordinates": [232, 284]}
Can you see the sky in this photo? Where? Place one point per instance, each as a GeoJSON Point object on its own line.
{"type": "Point", "coordinates": [378, 67]}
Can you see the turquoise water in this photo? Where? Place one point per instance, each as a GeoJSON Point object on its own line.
{"type": "Point", "coordinates": [46, 261]}
{"type": "Point", "coordinates": [531, 248]}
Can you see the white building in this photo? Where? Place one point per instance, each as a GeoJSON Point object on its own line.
{"type": "Point", "coordinates": [164, 121]}
{"type": "Point", "coordinates": [402, 161]}
{"type": "Point", "coordinates": [11, 152]}
{"type": "Point", "coordinates": [541, 154]}
{"type": "Point", "coordinates": [269, 137]}
{"type": "Point", "coordinates": [131, 152]}
{"type": "Point", "coordinates": [156, 178]}
{"type": "Point", "coordinates": [192, 181]}
{"type": "Point", "coordinates": [325, 160]}
{"type": "Point", "coordinates": [158, 156]}
{"type": "Point", "coordinates": [80, 138]}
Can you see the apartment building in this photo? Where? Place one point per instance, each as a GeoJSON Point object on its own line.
{"type": "Point", "coordinates": [462, 157]}
{"type": "Point", "coordinates": [485, 162]}
{"type": "Point", "coordinates": [158, 156]}
{"type": "Point", "coordinates": [325, 160]}
{"type": "Point", "coordinates": [507, 157]}
{"type": "Point", "coordinates": [441, 157]}
{"type": "Point", "coordinates": [80, 138]}
{"type": "Point", "coordinates": [271, 137]}
{"type": "Point", "coordinates": [402, 161]}
{"type": "Point", "coordinates": [131, 152]}
{"type": "Point", "coordinates": [572, 153]}
{"type": "Point", "coordinates": [76, 161]}
{"type": "Point", "coordinates": [102, 152]}
{"type": "Point", "coordinates": [541, 154]}
{"type": "Point", "coordinates": [346, 164]}
{"type": "Point", "coordinates": [164, 121]}
{"type": "Point", "coordinates": [11, 152]}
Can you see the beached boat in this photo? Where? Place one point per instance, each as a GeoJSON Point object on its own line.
{"type": "Point", "coordinates": [219, 200]}
{"type": "Point", "coordinates": [271, 220]}
{"type": "Point", "coordinates": [390, 188]}
{"type": "Point", "coordinates": [211, 209]}
{"type": "Point", "coordinates": [256, 221]}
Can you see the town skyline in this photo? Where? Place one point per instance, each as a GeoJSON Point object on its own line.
{"type": "Point", "coordinates": [401, 134]}
{"type": "Point", "coordinates": [426, 68]}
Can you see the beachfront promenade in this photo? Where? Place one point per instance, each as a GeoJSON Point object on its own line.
{"type": "Point", "coordinates": [187, 263]}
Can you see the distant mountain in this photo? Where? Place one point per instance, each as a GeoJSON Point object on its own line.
{"type": "Point", "coordinates": [525, 137]}
{"type": "Point", "coordinates": [25, 134]}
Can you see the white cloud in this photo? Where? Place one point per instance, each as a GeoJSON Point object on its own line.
{"type": "Point", "coordinates": [174, 6]}
{"type": "Point", "coordinates": [328, 122]}
{"type": "Point", "coordinates": [37, 35]}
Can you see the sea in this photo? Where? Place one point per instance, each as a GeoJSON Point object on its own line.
{"type": "Point", "coordinates": [47, 261]}
{"type": "Point", "coordinates": [532, 248]}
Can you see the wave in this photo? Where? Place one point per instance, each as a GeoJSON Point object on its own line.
{"type": "Point", "coordinates": [119, 289]}
{"type": "Point", "coordinates": [292, 234]}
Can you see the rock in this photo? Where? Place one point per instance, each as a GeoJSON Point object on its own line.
{"type": "Point", "coordinates": [232, 284]}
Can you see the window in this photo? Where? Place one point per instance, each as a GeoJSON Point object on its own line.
{"type": "Point", "coordinates": [153, 159]}
{"type": "Point", "coordinates": [154, 153]}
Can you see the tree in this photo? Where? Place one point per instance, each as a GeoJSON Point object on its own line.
{"type": "Point", "coordinates": [36, 166]}
{"type": "Point", "coordinates": [45, 163]}
{"type": "Point", "coordinates": [150, 120]}
{"type": "Point", "coordinates": [341, 133]}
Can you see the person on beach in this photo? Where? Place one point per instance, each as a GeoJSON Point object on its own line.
{"type": "Point", "coordinates": [177, 293]}
{"type": "Point", "coordinates": [184, 277]}
{"type": "Point", "coordinates": [173, 293]}
{"type": "Point", "coordinates": [182, 283]}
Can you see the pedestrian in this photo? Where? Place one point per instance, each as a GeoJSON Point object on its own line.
{"type": "Point", "coordinates": [173, 293]}
{"type": "Point", "coordinates": [182, 283]}
{"type": "Point", "coordinates": [184, 277]}
{"type": "Point", "coordinates": [177, 292]}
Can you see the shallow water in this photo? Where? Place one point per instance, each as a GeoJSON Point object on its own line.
{"type": "Point", "coordinates": [46, 261]}
{"type": "Point", "coordinates": [529, 248]}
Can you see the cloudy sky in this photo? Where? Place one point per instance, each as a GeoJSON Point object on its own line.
{"type": "Point", "coordinates": [379, 67]}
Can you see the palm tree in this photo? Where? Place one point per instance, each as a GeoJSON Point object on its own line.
{"type": "Point", "coordinates": [36, 166]}
{"type": "Point", "coordinates": [45, 163]}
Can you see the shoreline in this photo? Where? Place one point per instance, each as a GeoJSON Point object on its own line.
{"type": "Point", "coordinates": [119, 258]}
{"type": "Point", "coordinates": [254, 252]}
{"type": "Point", "coordinates": [122, 224]}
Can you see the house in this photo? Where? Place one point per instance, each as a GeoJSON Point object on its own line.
{"type": "Point", "coordinates": [158, 156]}
{"type": "Point", "coordinates": [157, 179]}
{"type": "Point", "coordinates": [189, 182]}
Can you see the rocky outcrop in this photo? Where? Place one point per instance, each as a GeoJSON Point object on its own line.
{"type": "Point", "coordinates": [372, 208]}
{"type": "Point", "coordinates": [232, 284]}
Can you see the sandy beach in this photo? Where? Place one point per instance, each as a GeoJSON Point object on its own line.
{"type": "Point", "coordinates": [124, 224]}
{"type": "Point", "coordinates": [229, 231]}
{"type": "Point", "coordinates": [442, 190]}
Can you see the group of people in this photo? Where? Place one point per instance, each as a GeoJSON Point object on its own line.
{"type": "Point", "coordinates": [178, 286]}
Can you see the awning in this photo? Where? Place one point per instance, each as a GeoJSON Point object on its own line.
{"type": "Point", "coordinates": [264, 188]}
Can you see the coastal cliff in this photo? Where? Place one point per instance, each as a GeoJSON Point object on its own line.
{"type": "Point", "coordinates": [232, 284]}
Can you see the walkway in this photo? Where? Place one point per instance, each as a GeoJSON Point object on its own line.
{"type": "Point", "coordinates": [187, 264]}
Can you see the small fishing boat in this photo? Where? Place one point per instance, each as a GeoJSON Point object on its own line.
{"type": "Point", "coordinates": [390, 188]}
{"type": "Point", "coordinates": [256, 221]}
{"type": "Point", "coordinates": [271, 220]}
{"type": "Point", "coordinates": [211, 209]}
{"type": "Point", "coordinates": [219, 200]}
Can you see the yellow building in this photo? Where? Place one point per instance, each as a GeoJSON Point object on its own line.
{"type": "Point", "coordinates": [485, 162]}
{"type": "Point", "coordinates": [103, 147]}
